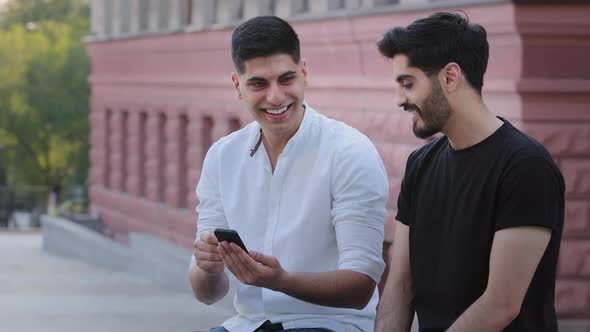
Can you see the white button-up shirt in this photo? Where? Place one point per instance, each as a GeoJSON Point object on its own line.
{"type": "Point", "coordinates": [322, 210]}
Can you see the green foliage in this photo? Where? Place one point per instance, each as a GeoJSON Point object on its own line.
{"type": "Point", "coordinates": [44, 92]}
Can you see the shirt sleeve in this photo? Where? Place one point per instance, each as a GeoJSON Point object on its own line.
{"type": "Point", "coordinates": [360, 192]}
{"type": "Point", "coordinates": [210, 208]}
{"type": "Point", "coordinates": [403, 199]}
{"type": "Point", "coordinates": [531, 194]}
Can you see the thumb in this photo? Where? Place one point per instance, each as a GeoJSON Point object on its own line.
{"type": "Point", "coordinates": [262, 258]}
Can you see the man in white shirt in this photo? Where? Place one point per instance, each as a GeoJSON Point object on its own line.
{"type": "Point", "coordinates": [307, 195]}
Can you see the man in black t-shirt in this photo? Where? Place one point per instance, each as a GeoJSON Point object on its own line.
{"type": "Point", "coordinates": [480, 209]}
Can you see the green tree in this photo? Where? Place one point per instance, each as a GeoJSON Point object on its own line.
{"type": "Point", "coordinates": [21, 12]}
{"type": "Point", "coordinates": [43, 93]}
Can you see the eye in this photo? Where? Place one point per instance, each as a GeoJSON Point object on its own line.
{"type": "Point", "coordinates": [287, 79]}
{"type": "Point", "coordinates": [257, 84]}
{"type": "Point", "coordinates": [407, 85]}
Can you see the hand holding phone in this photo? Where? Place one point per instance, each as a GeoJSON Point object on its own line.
{"type": "Point", "coordinates": [229, 235]}
{"type": "Point", "coordinates": [206, 253]}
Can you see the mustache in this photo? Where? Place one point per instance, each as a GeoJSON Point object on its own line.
{"type": "Point", "coordinates": [410, 107]}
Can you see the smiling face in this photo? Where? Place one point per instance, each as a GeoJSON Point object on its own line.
{"type": "Point", "coordinates": [272, 89]}
{"type": "Point", "coordinates": [422, 96]}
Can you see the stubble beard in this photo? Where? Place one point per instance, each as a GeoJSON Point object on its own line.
{"type": "Point", "coordinates": [434, 114]}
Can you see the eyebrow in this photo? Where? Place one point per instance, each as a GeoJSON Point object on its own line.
{"type": "Point", "coordinates": [290, 72]}
{"type": "Point", "coordinates": [402, 77]}
{"type": "Point", "coordinates": [256, 78]}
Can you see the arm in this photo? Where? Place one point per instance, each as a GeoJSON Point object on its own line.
{"type": "Point", "coordinates": [207, 277]}
{"type": "Point", "coordinates": [395, 311]}
{"type": "Point", "coordinates": [516, 252]}
{"type": "Point", "coordinates": [321, 288]}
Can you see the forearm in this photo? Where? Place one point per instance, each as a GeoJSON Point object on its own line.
{"type": "Point", "coordinates": [328, 288]}
{"type": "Point", "coordinates": [484, 316]}
{"type": "Point", "coordinates": [208, 288]}
{"type": "Point", "coordinates": [396, 310]}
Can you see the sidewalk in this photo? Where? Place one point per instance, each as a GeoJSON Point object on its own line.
{"type": "Point", "coordinates": [45, 293]}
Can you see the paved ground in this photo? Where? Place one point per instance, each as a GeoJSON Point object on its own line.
{"type": "Point", "coordinates": [46, 293]}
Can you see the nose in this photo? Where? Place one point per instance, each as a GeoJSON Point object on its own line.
{"type": "Point", "coordinates": [400, 97]}
{"type": "Point", "coordinates": [275, 94]}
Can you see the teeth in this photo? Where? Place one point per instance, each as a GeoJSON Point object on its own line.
{"type": "Point", "coordinates": [279, 111]}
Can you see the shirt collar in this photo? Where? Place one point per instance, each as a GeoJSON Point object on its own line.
{"type": "Point", "coordinates": [256, 142]}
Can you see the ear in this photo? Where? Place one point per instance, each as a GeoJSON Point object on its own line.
{"type": "Point", "coordinates": [236, 81]}
{"type": "Point", "coordinates": [450, 76]}
{"type": "Point", "coordinates": [304, 70]}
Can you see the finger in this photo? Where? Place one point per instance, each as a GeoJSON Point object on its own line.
{"type": "Point", "coordinates": [229, 263]}
{"type": "Point", "coordinates": [211, 267]}
{"type": "Point", "coordinates": [209, 237]}
{"type": "Point", "coordinates": [204, 246]}
{"type": "Point", "coordinates": [207, 256]}
{"type": "Point", "coordinates": [232, 259]}
{"type": "Point", "coordinates": [248, 265]}
{"type": "Point", "coordinates": [263, 259]}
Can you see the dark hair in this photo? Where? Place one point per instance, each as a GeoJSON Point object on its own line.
{"type": "Point", "coordinates": [263, 36]}
{"type": "Point", "coordinates": [431, 43]}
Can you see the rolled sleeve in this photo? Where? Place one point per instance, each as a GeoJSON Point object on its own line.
{"type": "Point", "coordinates": [531, 194]}
{"type": "Point", "coordinates": [210, 210]}
{"type": "Point", "coordinates": [360, 192]}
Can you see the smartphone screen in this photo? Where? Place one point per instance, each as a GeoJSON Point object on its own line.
{"type": "Point", "coordinates": [229, 235]}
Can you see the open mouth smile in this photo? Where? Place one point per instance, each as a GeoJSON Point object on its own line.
{"type": "Point", "coordinates": [277, 111]}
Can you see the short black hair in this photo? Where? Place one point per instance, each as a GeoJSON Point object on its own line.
{"type": "Point", "coordinates": [263, 36]}
{"type": "Point", "coordinates": [431, 43]}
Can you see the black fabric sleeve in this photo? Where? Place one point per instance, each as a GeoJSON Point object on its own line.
{"type": "Point", "coordinates": [403, 199]}
{"type": "Point", "coordinates": [530, 194]}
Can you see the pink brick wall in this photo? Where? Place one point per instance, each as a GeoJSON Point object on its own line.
{"type": "Point", "coordinates": [176, 96]}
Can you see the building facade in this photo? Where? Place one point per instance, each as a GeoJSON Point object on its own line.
{"type": "Point", "coordinates": [162, 94]}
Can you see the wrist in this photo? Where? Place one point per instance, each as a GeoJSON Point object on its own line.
{"type": "Point", "coordinates": [282, 281]}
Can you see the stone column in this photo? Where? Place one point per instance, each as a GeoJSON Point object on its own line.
{"type": "Point", "coordinates": [134, 13]}
{"type": "Point", "coordinates": [99, 162]}
{"type": "Point", "coordinates": [322, 6]}
{"type": "Point", "coordinates": [116, 18]}
{"type": "Point", "coordinates": [153, 15]}
{"type": "Point", "coordinates": [228, 11]}
{"type": "Point", "coordinates": [173, 172]}
{"type": "Point", "coordinates": [176, 20]}
{"type": "Point", "coordinates": [353, 4]}
{"type": "Point", "coordinates": [194, 156]}
{"type": "Point", "coordinates": [287, 8]}
{"type": "Point", "coordinates": [134, 153]}
{"type": "Point", "coordinates": [153, 162]}
{"type": "Point", "coordinates": [254, 8]}
{"type": "Point", "coordinates": [413, 2]}
{"type": "Point", "coordinates": [97, 12]}
{"type": "Point", "coordinates": [115, 157]}
{"type": "Point", "coordinates": [203, 14]}
{"type": "Point", "coordinates": [108, 17]}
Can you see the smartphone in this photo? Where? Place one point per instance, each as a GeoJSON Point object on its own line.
{"type": "Point", "coordinates": [229, 235]}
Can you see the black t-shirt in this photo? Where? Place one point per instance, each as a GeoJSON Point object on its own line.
{"type": "Point", "coordinates": [454, 202]}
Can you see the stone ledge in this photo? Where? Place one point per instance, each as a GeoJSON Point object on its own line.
{"type": "Point", "coordinates": [574, 325]}
{"type": "Point", "coordinates": [158, 260]}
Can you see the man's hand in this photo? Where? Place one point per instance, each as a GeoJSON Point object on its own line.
{"type": "Point", "coordinates": [207, 254]}
{"type": "Point", "coordinates": [254, 268]}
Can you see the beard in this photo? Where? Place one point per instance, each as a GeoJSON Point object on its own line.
{"type": "Point", "coordinates": [434, 114]}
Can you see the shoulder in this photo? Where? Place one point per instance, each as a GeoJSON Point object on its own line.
{"type": "Point", "coordinates": [340, 136]}
{"type": "Point", "coordinates": [239, 140]}
{"type": "Point", "coordinates": [427, 151]}
{"type": "Point", "coordinates": [526, 153]}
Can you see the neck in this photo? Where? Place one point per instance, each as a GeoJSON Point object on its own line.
{"type": "Point", "coordinates": [275, 143]}
{"type": "Point", "coordinates": [470, 124]}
